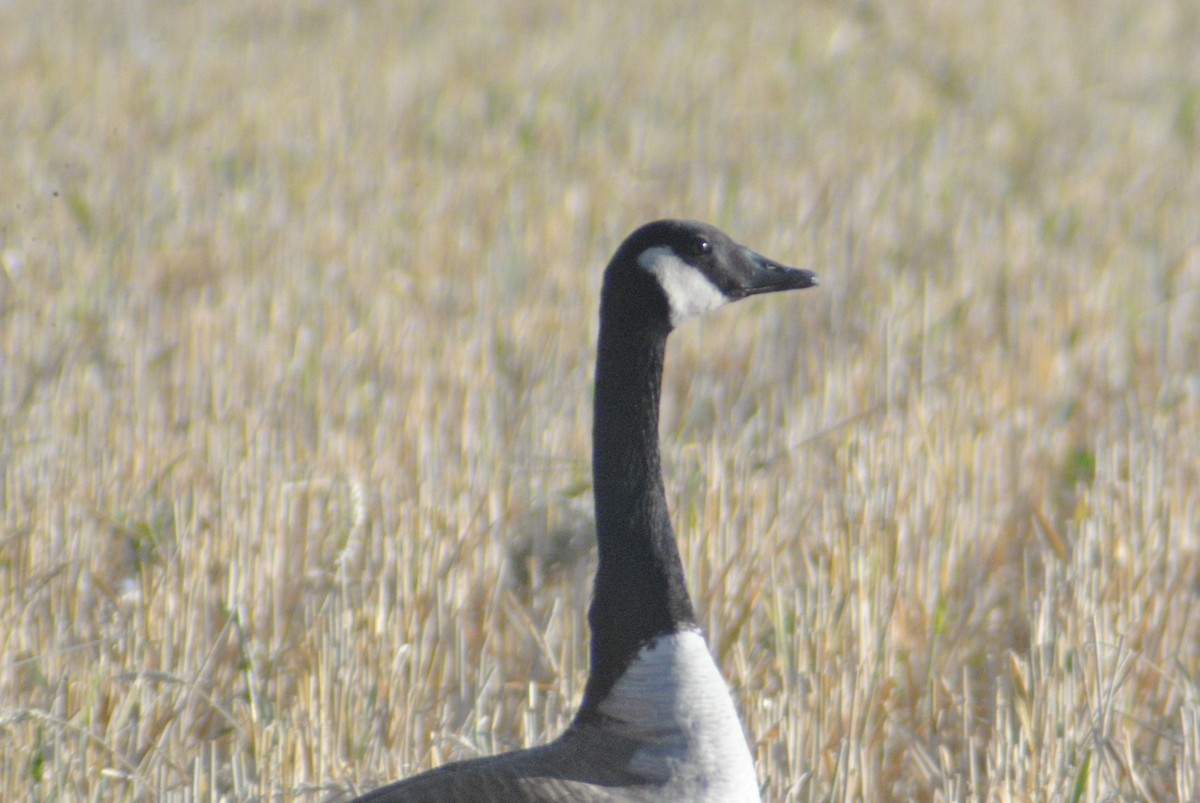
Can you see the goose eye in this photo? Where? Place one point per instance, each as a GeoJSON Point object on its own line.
{"type": "Point", "coordinates": [698, 246]}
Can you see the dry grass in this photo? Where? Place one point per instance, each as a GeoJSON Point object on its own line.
{"type": "Point", "coordinates": [297, 311]}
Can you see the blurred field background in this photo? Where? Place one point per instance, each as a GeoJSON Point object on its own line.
{"type": "Point", "coordinates": [297, 317]}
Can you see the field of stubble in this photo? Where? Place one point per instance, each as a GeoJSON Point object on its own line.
{"type": "Point", "coordinates": [297, 314]}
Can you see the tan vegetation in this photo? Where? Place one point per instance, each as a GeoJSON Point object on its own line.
{"type": "Point", "coordinates": [297, 313]}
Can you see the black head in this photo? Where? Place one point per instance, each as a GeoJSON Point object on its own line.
{"type": "Point", "coordinates": [691, 268]}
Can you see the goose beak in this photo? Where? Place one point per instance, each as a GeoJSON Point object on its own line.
{"type": "Point", "coordinates": [768, 276]}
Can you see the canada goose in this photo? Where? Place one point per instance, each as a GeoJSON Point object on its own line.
{"type": "Point", "coordinates": [657, 722]}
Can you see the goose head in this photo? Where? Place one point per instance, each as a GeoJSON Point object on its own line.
{"type": "Point", "coordinates": [671, 270]}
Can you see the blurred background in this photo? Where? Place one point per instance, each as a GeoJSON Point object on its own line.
{"type": "Point", "coordinates": [297, 320]}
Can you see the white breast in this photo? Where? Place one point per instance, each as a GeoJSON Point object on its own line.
{"type": "Point", "coordinates": [672, 699]}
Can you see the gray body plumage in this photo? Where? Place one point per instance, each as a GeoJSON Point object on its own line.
{"type": "Point", "coordinates": [668, 731]}
{"type": "Point", "coordinates": [586, 764]}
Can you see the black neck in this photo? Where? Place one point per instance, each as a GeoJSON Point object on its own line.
{"type": "Point", "coordinates": [640, 590]}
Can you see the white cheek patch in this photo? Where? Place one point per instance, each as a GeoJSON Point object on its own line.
{"type": "Point", "coordinates": [689, 292]}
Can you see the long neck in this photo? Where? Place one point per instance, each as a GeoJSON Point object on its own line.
{"type": "Point", "coordinates": [640, 588]}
